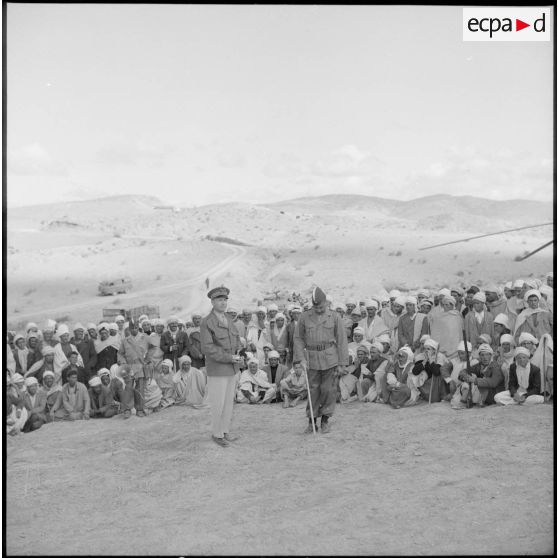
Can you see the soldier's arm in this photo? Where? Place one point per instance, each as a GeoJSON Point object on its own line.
{"type": "Point", "coordinates": [342, 343]}
{"type": "Point", "coordinates": [299, 333]}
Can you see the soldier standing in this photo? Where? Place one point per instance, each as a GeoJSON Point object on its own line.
{"type": "Point", "coordinates": [220, 343]}
{"type": "Point", "coordinates": [322, 333]}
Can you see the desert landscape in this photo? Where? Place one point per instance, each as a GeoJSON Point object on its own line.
{"type": "Point", "coordinates": [426, 480]}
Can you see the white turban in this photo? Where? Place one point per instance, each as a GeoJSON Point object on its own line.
{"type": "Point", "coordinates": [503, 320]}
{"type": "Point", "coordinates": [113, 325]}
{"type": "Point", "coordinates": [31, 381]}
{"type": "Point", "coordinates": [532, 292]}
{"type": "Point", "coordinates": [296, 308]}
{"type": "Point", "coordinates": [279, 315]}
{"type": "Point", "coordinates": [370, 303]}
{"type": "Point", "coordinates": [78, 326]}
{"type": "Point", "coordinates": [273, 306]}
{"type": "Point", "coordinates": [431, 343]}
{"type": "Point", "coordinates": [358, 330]}
{"type": "Point", "coordinates": [261, 309]}
{"type": "Point", "coordinates": [550, 275]}
{"type": "Point", "coordinates": [444, 292]}
{"type": "Point", "coordinates": [143, 317]}
{"type": "Point", "coordinates": [91, 325]}
{"type": "Point", "coordinates": [461, 346]}
{"type": "Point", "coordinates": [491, 288]}
{"type": "Point", "coordinates": [449, 298]}
{"type": "Point", "coordinates": [273, 354]}
{"type": "Point", "coordinates": [184, 358]}
{"type": "Point", "coordinates": [31, 325]}
{"type": "Point", "coordinates": [120, 318]}
{"type": "Point", "coordinates": [424, 292]}
{"type": "Point", "coordinates": [507, 338]}
{"type": "Point", "coordinates": [424, 337]}
{"type": "Point", "coordinates": [232, 310]}
{"type": "Point", "coordinates": [253, 359]}
{"type": "Point", "coordinates": [103, 372]}
{"type": "Point", "coordinates": [479, 297]}
{"type": "Point", "coordinates": [104, 325]}
{"type": "Point", "coordinates": [168, 362]}
{"type": "Point", "coordinates": [407, 352]}
{"type": "Point", "coordinates": [172, 319]}
{"type": "Point", "coordinates": [531, 283]}
{"type": "Point", "coordinates": [95, 381]}
{"type": "Point", "coordinates": [340, 306]}
{"type": "Point", "coordinates": [412, 300]}
{"type": "Point", "coordinates": [48, 373]}
{"type": "Point", "coordinates": [527, 337]}
{"type": "Point", "coordinates": [378, 346]}
{"type": "Point", "coordinates": [50, 325]}
{"type": "Point", "coordinates": [485, 348]}
{"type": "Point", "coordinates": [521, 351]}
{"type": "Point", "coordinates": [508, 285]}
{"type": "Point", "coordinates": [384, 338]}
{"type": "Point", "coordinates": [62, 329]}
{"type": "Point", "coordinates": [47, 350]}
{"type": "Point", "coordinates": [394, 293]}
{"type": "Point", "coordinates": [400, 300]}
{"type": "Point", "coordinates": [518, 284]}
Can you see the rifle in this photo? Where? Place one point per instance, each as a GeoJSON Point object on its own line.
{"type": "Point", "coordinates": [469, 402]}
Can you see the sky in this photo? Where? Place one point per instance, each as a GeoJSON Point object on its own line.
{"type": "Point", "coordinates": [198, 104]}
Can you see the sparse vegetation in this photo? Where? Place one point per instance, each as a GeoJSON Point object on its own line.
{"type": "Point", "coordinates": [158, 278]}
{"type": "Point", "coordinates": [28, 292]}
{"type": "Point", "coordinates": [460, 274]}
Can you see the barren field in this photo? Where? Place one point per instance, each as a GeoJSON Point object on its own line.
{"type": "Point", "coordinates": [421, 481]}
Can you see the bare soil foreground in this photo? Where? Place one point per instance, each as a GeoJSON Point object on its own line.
{"type": "Point", "coordinates": [419, 481]}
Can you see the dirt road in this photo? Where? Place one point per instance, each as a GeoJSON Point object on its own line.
{"type": "Point", "coordinates": [195, 284]}
{"type": "Point", "coordinates": [417, 481]}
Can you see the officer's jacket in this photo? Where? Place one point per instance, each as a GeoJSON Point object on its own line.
{"type": "Point", "coordinates": [324, 338]}
{"type": "Point", "coordinates": [219, 343]}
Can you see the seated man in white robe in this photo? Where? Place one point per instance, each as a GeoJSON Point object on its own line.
{"type": "Point", "coordinates": [293, 386]}
{"type": "Point", "coordinates": [190, 384]}
{"type": "Point", "coordinates": [253, 386]}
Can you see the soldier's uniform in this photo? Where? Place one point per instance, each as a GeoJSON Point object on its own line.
{"type": "Point", "coordinates": [324, 339]}
{"type": "Point", "coordinates": [220, 340]}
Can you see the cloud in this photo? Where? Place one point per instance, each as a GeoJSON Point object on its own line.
{"type": "Point", "coordinates": [131, 154]}
{"type": "Point", "coordinates": [33, 160]}
{"type": "Point", "coordinates": [497, 175]}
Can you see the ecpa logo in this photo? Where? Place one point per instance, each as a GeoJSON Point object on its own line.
{"type": "Point", "coordinates": [506, 24]}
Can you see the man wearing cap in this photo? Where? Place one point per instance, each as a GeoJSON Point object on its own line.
{"type": "Point", "coordinates": [478, 320]}
{"type": "Point", "coordinates": [63, 350]}
{"type": "Point", "coordinates": [279, 336]}
{"type": "Point", "coordinates": [92, 332]}
{"type": "Point", "coordinates": [102, 401]}
{"type": "Point", "coordinates": [174, 343]}
{"type": "Point", "coordinates": [34, 401]}
{"type": "Point", "coordinates": [122, 330]}
{"type": "Point", "coordinates": [194, 340]}
{"type": "Point", "coordinates": [86, 348]}
{"type": "Point", "coordinates": [321, 334]}
{"type": "Point", "coordinates": [373, 325]}
{"type": "Point", "coordinates": [220, 343]}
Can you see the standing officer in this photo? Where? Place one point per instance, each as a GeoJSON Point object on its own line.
{"type": "Point", "coordinates": [220, 343]}
{"type": "Point", "coordinates": [322, 333]}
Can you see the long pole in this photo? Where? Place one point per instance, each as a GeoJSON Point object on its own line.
{"type": "Point", "coordinates": [543, 366]}
{"type": "Point", "coordinates": [521, 258]}
{"type": "Point", "coordinates": [310, 403]}
{"type": "Point", "coordinates": [488, 234]}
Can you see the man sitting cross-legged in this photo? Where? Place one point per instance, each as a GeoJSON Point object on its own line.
{"type": "Point", "coordinates": [253, 386]}
{"type": "Point", "coordinates": [293, 386]}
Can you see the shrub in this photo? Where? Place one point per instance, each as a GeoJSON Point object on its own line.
{"type": "Point", "coordinates": [460, 273]}
{"type": "Point", "coordinates": [28, 292]}
{"type": "Point", "coordinates": [398, 253]}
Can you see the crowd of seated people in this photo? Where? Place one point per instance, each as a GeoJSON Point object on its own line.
{"type": "Point", "coordinates": [404, 349]}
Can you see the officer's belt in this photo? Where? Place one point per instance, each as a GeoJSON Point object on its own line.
{"type": "Point", "coordinates": [320, 347]}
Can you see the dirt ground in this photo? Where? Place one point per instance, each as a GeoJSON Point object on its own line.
{"type": "Point", "coordinates": [420, 481]}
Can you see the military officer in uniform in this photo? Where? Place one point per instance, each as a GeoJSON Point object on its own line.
{"type": "Point", "coordinates": [321, 333]}
{"type": "Point", "coordinates": [220, 343]}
